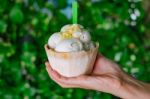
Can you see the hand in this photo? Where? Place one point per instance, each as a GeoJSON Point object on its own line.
{"type": "Point", "coordinates": [106, 77]}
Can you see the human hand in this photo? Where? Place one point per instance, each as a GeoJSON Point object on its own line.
{"type": "Point", "coordinates": [106, 77]}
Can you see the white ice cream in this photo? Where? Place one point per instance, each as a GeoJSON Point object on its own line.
{"type": "Point", "coordinates": [69, 45]}
{"type": "Point", "coordinates": [71, 38]}
{"type": "Point", "coordinates": [54, 40]}
{"type": "Point", "coordinates": [85, 37]}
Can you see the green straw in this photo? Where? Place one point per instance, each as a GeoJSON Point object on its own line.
{"type": "Point", "coordinates": [75, 12]}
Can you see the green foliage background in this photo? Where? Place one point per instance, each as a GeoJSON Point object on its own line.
{"type": "Point", "coordinates": [120, 26]}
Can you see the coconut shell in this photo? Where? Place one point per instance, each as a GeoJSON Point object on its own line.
{"type": "Point", "coordinates": [72, 64]}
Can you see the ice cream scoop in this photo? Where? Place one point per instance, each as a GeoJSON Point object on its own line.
{"type": "Point", "coordinates": [89, 45]}
{"type": "Point", "coordinates": [69, 45]}
{"type": "Point", "coordinates": [65, 28]}
{"type": "Point", "coordinates": [85, 37]}
{"type": "Point", "coordinates": [77, 34]}
{"type": "Point", "coordinates": [71, 28]}
{"type": "Point", "coordinates": [54, 40]}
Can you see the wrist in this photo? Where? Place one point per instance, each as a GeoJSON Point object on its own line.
{"type": "Point", "coordinates": [134, 89]}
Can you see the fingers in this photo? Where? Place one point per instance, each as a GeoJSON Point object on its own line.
{"type": "Point", "coordinates": [54, 75]}
{"type": "Point", "coordinates": [65, 82]}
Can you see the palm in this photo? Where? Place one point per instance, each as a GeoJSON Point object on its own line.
{"type": "Point", "coordinates": [104, 66]}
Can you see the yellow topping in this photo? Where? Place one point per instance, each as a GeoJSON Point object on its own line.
{"type": "Point", "coordinates": [75, 28]}
{"type": "Point", "coordinates": [68, 30]}
{"type": "Point", "coordinates": [66, 35]}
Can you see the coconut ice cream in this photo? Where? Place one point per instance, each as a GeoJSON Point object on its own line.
{"type": "Point", "coordinates": [71, 51]}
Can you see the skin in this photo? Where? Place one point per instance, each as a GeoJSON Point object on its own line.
{"type": "Point", "coordinates": [105, 77]}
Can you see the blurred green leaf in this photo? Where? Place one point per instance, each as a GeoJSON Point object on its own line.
{"type": "Point", "coordinates": [16, 15]}
{"type": "Point", "coordinates": [3, 6]}
{"type": "Point", "coordinates": [3, 26]}
{"type": "Point", "coordinates": [6, 49]}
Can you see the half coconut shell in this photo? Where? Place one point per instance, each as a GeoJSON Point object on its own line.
{"type": "Point", "coordinates": [72, 64]}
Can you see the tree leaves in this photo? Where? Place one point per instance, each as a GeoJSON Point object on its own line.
{"type": "Point", "coordinates": [16, 15]}
{"type": "Point", "coordinates": [3, 26]}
